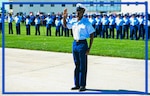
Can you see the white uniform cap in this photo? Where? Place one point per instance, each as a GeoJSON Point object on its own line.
{"type": "Point", "coordinates": [79, 5]}
{"type": "Point", "coordinates": [38, 13]}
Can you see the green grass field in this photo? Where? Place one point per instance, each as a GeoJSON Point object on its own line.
{"type": "Point", "coordinates": [101, 47]}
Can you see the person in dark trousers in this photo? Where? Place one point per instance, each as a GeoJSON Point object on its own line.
{"type": "Point", "coordinates": [141, 29]}
{"type": "Point", "coordinates": [82, 29]}
{"type": "Point", "coordinates": [119, 24]}
{"type": "Point", "coordinates": [28, 22]}
{"type": "Point", "coordinates": [37, 25]}
{"type": "Point", "coordinates": [57, 24]}
{"type": "Point", "coordinates": [93, 22]}
{"type": "Point", "coordinates": [18, 20]}
{"type": "Point", "coordinates": [49, 22]}
{"type": "Point", "coordinates": [10, 20]}
{"type": "Point", "coordinates": [133, 27]}
{"type": "Point", "coordinates": [98, 25]}
{"type": "Point", "coordinates": [126, 25]}
{"type": "Point", "coordinates": [105, 25]}
{"type": "Point", "coordinates": [111, 26]}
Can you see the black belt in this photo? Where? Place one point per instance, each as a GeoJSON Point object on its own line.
{"type": "Point", "coordinates": [80, 40]}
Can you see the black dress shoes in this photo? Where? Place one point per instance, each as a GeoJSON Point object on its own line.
{"type": "Point", "coordinates": [82, 88]}
{"type": "Point", "coordinates": [75, 88]}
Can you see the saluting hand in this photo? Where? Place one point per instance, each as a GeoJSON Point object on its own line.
{"type": "Point", "coordinates": [64, 18]}
{"type": "Point", "coordinates": [65, 13]}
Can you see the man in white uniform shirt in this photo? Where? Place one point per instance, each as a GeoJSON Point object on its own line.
{"type": "Point", "coordinates": [82, 29]}
{"type": "Point", "coordinates": [10, 20]}
{"type": "Point", "coordinates": [37, 25]}
{"type": "Point", "coordinates": [49, 22]}
{"type": "Point", "coordinates": [28, 22]}
{"type": "Point", "coordinates": [18, 20]}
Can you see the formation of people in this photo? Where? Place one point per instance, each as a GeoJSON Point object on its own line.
{"type": "Point", "coordinates": [119, 26]}
{"type": "Point", "coordinates": [107, 26]}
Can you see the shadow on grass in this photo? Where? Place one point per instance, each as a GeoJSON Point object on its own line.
{"type": "Point", "coordinates": [120, 91]}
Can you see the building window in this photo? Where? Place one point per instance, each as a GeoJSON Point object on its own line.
{"type": "Point", "coordinates": [41, 5]}
{"type": "Point", "coordinates": [111, 3]}
{"type": "Point", "coordinates": [74, 5]}
{"type": "Point", "coordinates": [63, 5]}
{"type": "Point", "coordinates": [31, 5]}
{"type": "Point", "coordinates": [91, 5]}
{"type": "Point", "coordinates": [21, 5]}
{"type": "Point", "coordinates": [11, 6]}
{"type": "Point", "coordinates": [101, 3]}
{"type": "Point", "coordinates": [52, 5]}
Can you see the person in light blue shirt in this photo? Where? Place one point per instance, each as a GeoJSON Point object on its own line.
{"type": "Point", "coordinates": [18, 20]}
{"type": "Point", "coordinates": [49, 22]}
{"type": "Point", "coordinates": [69, 31]}
{"type": "Point", "coordinates": [133, 27]}
{"type": "Point", "coordinates": [57, 25]}
{"type": "Point", "coordinates": [98, 26]}
{"type": "Point", "coordinates": [141, 30]}
{"type": "Point", "coordinates": [111, 26]}
{"type": "Point", "coordinates": [126, 25]}
{"type": "Point", "coordinates": [93, 22]}
{"type": "Point", "coordinates": [82, 29]}
{"type": "Point", "coordinates": [105, 25]}
{"type": "Point", "coordinates": [37, 25]}
{"type": "Point", "coordinates": [72, 19]}
{"type": "Point", "coordinates": [119, 24]}
{"type": "Point", "coordinates": [10, 26]}
{"type": "Point", "coordinates": [28, 22]}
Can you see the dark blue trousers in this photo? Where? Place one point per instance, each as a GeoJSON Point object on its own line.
{"type": "Point", "coordinates": [97, 30]}
{"type": "Point", "coordinates": [119, 32]}
{"type": "Point", "coordinates": [37, 29]}
{"type": "Point", "coordinates": [48, 30]}
{"type": "Point", "coordinates": [10, 28]}
{"type": "Point", "coordinates": [18, 28]}
{"type": "Point", "coordinates": [112, 31]}
{"type": "Point", "coordinates": [57, 32]}
{"type": "Point", "coordinates": [104, 31]}
{"type": "Point", "coordinates": [125, 31]}
{"type": "Point", "coordinates": [28, 29]}
{"type": "Point", "coordinates": [80, 59]}
{"type": "Point", "coordinates": [133, 32]}
{"type": "Point", "coordinates": [66, 30]}
{"type": "Point", "coordinates": [62, 30]}
{"type": "Point", "coordinates": [141, 31]}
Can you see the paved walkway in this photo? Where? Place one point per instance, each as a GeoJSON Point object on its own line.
{"type": "Point", "coordinates": [41, 71]}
